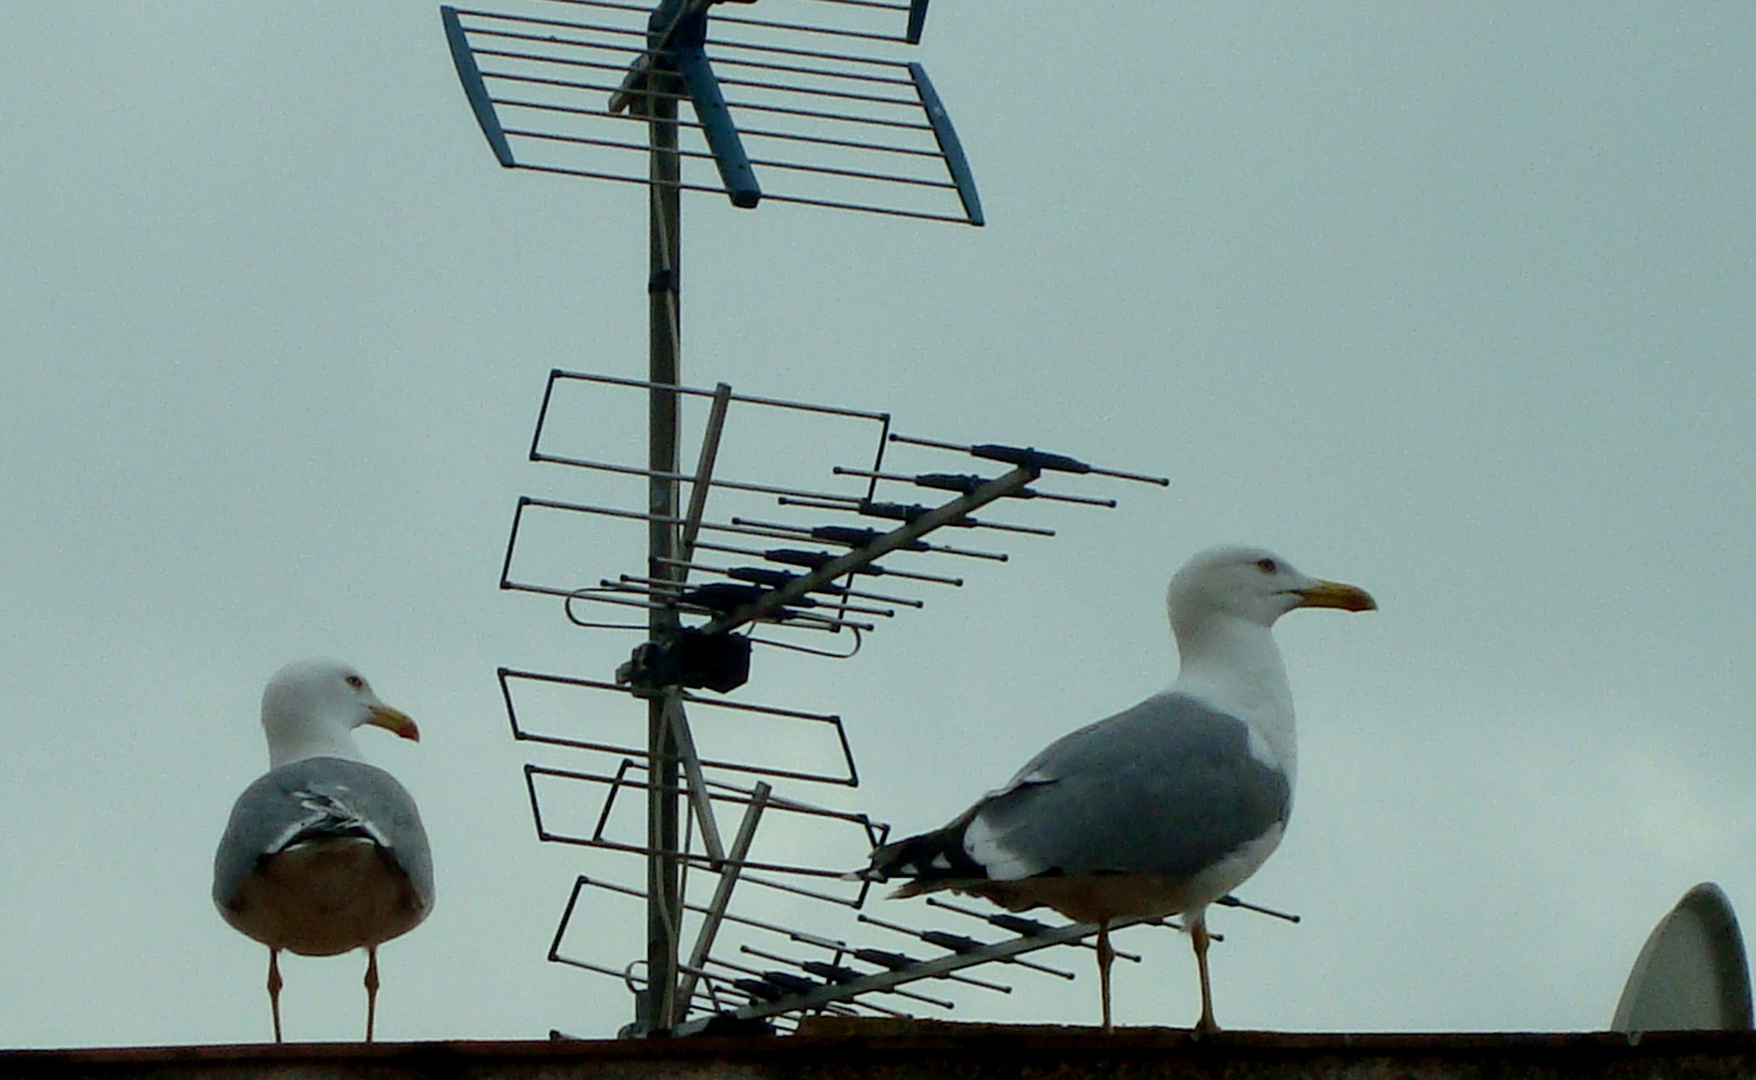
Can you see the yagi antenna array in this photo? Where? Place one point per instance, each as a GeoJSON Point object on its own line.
{"type": "Point", "coordinates": [776, 549]}
{"type": "Point", "coordinates": [781, 112]}
{"type": "Point", "coordinates": [793, 554]}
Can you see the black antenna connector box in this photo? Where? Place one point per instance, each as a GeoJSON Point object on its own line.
{"type": "Point", "coordinates": [719, 662]}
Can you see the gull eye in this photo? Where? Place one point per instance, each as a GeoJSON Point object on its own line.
{"type": "Point", "coordinates": [1267, 566]}
{"type": "Point", "coordinates": [356, 682]}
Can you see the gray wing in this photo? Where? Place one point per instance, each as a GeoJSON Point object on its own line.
{"type": "Point", "coordinates": [1169, 786]}
{"type": "Point", "coordinates": [322, 797]}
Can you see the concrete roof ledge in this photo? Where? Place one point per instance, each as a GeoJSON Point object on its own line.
{"type": "Point", "coordinates": [886, 1050]}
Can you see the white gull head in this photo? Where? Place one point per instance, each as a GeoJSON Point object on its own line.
{"type": "Point", "coordinates": [1222, 605]}
{"type": "Point", "coordinates": [311, 707]}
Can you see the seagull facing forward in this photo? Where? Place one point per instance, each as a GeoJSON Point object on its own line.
{"type": "Point", "coordinates": [325, 853]}
{"type": "Point", "coordinates": [1165, 807]}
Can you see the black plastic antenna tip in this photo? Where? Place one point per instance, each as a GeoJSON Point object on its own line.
{"type": "Point", "coordinates": [892, 960]}
{"type": "Point", "coordinates": [1019, 925]}
{"type": "Point", "coordinates": [907, 512]}
{"type": "Point", "coordinates": [859, 538]}
{"type": "Point", "coordinates": [956, 943]}
{"type": "Point", "coordinates": [1030, 457]}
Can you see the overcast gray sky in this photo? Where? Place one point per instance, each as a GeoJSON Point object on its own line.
{"type": "Point", "coordinates": [1450, 301]}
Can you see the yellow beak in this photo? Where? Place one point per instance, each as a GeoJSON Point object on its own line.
{"type": "Point", "coordinates": [393, 720]}
{"type": "Point", "coordinates": [1333, 594]}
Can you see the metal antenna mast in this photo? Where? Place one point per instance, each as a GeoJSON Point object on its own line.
{"type": "Point", "coordinates": [664, 913]}
{"type": "Point", "coordinates": [662, 804]}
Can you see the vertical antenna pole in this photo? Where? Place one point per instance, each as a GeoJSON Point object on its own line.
{"type": "Point", "coordinates": [664, 914]}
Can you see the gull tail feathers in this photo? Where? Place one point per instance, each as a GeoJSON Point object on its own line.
{"type": "Point", "coordinates": [930, 861]}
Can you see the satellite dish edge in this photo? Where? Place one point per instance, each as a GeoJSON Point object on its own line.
{"type": "Point", "coordinates": [1692, 974]}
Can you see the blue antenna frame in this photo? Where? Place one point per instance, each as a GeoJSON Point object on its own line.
{"type": "Point", "coordinates": [881, 138]}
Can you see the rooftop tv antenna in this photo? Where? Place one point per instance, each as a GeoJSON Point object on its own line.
{"type": "Point", "coordinates": [571, 76]}
{"type": "Point", "coordinates": [594, 89]}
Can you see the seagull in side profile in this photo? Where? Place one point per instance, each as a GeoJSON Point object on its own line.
{"type": "Point", "coordinates": [325, 853]}
{"type": "Point", "coordinates": [1165, 807]}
